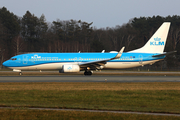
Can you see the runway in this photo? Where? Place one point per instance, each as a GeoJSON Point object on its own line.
{"type": "Point", "coordinates": [94, 78]}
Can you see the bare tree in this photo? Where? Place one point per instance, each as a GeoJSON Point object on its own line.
{"type": "Point", "coordinates": [18, 44]}
{"type": "Point", "coordinates": [176, 37]}
{"type": "Point", "coordinates": [129, 39]}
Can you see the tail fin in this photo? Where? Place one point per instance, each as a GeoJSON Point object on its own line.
{"type": "Point", "coordinates": [157, 42]}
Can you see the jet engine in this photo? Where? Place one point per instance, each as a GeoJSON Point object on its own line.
{"type": "Point", "coordinates": [70, 68]}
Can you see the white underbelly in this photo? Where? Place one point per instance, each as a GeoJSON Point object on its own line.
{"type": "Point", "coordinates": [108, 65]}
{"type": "Point", "coordinates": [121, 65]}
{"type": "Point", "coordinates": [47, 66]}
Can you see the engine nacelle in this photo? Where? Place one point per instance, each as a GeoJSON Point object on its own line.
{"type": "Point", "coordinates": [70, 68]}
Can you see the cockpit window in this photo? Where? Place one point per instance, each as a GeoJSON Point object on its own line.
{"type": "Point", "coordinates": [13, 59]}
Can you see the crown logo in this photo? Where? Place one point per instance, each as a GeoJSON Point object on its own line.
{"type": "Point", "coordinates": [157, 39]}
{"type": "Point", "coordinates": [69, 68]}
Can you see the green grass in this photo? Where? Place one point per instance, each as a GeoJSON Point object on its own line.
{"type": "Point", "coordinates": [21, 114]}
{"type": "Point", "coordinates": [149, 101]}
{"type": "Point", "coordinates": [147, 97]}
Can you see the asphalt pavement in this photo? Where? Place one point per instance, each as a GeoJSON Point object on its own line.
{"type": "Point", "coordinates": [93, 78]}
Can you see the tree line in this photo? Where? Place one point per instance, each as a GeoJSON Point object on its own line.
{"type": "Point", "coordinates": [32, 34]}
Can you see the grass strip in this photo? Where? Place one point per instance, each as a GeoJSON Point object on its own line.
{"type": "Point", "coordinates": [21, 114]}
{"type": "Point", "coordinates": [147, 97]}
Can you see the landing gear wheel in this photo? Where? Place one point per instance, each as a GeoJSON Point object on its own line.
{"type": "Point", "coordinates": [20, 73]}
{"type": "Point", "coordinates": [87, 73]}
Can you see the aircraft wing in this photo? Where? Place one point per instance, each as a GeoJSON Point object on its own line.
{"type": "Point", "coordinates": [95, 64]}
{"type": "Point", "coordinates": [166, 53]}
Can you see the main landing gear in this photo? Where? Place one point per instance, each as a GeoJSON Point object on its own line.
{"type": "Point", "coordinates": [87, 72]}
{"type": "Point", "coordinates": [15, 70]}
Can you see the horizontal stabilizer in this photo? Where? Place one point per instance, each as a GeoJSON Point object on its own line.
{"type": "Point", "coordinates": [166, 53]}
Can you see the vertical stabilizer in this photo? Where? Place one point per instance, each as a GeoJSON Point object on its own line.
{"type": "Point", "coordinates": [157, 42]}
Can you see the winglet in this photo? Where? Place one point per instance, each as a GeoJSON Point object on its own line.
{"type": "Point", "coordinates": [119, 53]}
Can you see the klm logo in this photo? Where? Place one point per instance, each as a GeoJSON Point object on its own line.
{"type": "Point", "coordinates": [157, 42]}
{"type": "Point", "coordinates": [69, 68]}
{"type": "Point", "coordinates": [35, 57]}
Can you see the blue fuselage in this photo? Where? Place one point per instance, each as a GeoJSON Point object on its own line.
{"type": "Point", "coordinates": [56, 60]}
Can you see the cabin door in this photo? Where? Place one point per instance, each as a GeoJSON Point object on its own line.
{"type": "Point", "coordinates": [75, 59]}
{"type": "Point", "coordinates": [79, 60]}
{"type": "Point", "coordinates": [25, 59]}
{"type": "Point", "coordinates": [140, 59]}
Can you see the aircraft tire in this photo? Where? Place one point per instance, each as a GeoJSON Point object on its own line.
{"type": "Point", "coordinates": [87, 73]}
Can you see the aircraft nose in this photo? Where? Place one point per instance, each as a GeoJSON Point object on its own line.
{"type": "Point", "coordinates": [6, 63]}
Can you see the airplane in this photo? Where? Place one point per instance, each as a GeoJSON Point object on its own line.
{"type": "Point", "coordinates": [150, 53]}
